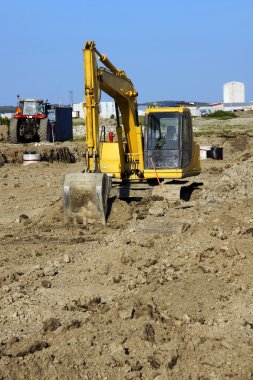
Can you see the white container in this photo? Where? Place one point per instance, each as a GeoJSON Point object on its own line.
{"type": "Point", "coordinates": [234, 92]}
{"type": "Point", "coordinates": [203, 152]}
{"type": "Point", "coordinates": [31, 158]}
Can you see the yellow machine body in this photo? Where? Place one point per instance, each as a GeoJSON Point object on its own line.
{"type": "Point", "coordinates": [192, 168]}
{"type": "Point", "coordinates": [110, 160]}
{"type": "Point", "coordinates": [163, 147]}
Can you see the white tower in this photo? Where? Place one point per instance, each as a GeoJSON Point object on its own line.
{"type": "Point", "coordinates": [234, 92]}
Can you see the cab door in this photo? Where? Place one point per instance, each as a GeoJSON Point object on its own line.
{"type": "Point", "coordinates": [162, 140]}
{"type": "Point", "coordinates": [186, 139]}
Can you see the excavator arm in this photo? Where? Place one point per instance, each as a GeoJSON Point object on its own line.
{"type": "Point", "coordinates": [86, 194]}
{"type": "Point", "coordinates": [116, 84]}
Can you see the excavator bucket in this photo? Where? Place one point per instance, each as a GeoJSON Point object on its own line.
{"type": "Point", "coordinates": [86, 197]}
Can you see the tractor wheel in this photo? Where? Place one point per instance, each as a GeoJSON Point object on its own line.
{"type": "Point", "coordinates": [44, 129]}
{"type": "Point", "coordinates": [13, 131]}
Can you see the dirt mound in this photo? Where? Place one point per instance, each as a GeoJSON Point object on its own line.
{"type": "Point", "coordinates": [59, 152]}
{"type": "Point", "coordinates": [119, 213]}
{"type": "Point", "coordinates": [159, 293]}
{"type": "Point", "coordinates": [52, 215]}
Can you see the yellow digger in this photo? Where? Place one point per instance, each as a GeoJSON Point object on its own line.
{"type": "Point", "coordinates": [161, 150]}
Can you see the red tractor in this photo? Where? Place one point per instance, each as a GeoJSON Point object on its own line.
{"type": "Point", "coordinates": [30, 122]}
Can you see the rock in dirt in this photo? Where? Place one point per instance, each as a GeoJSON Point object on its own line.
{"type": "Point", "coordinates": [50, 270]}
{"type": "Point", "coordinates": [82, 304]}
{"type": "Point", "coordinates": [104, 269]}
{"type": "Point", "coordinates": [117, 353]}
{"type": "Point", "coordinates": [23, 219]}
{"type": "Point", "coordinates": [172, 358]}
{"type": "Point", "coordinates": [125, 313]}
{"type": "Point", "coordinates": [154, 362]}
{"type": "Point", "coordinates": [185, 227]}
{"type": "Point", "coordinates": [156, 210]}
{"type": "Point", "coordinates": [75, 324]}
{"type": "Point", "coordinates": [51, 324]}
{"type": "Point", "coordinates": [66, 259]}
{"type": "Point", "coordinates": [117, 279]}
{"type": "Point", "coordinates": [13, 339]}
{"type": "Point", "coordinates": [36, 346]}
{"type": "Point", "coordinates": [149, 333]}
{"type": "Point", "coordinates": [25, 347]}
{"type": "Point", "coordinates": [46, 284]}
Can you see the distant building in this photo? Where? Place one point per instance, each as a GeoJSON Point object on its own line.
{"type": "Point", "coordinates": [10, 115]}
{"type": "Point", "coordinates": [7, 111]}
{"type": "Point", "coordinates": [77, 111]}
{"type": "Point", "coordinates": [7, 115]}
{"type": "Point", "coordinates": [141, 112]}
{"type": "Point", "coordinates": [194, 110]}
{"type": "Point", "coordinates": [107, 110]}
{"type": "Point", "coordinates": [233, 92]}
{"type": "Point", "coordinates": [246, 106]}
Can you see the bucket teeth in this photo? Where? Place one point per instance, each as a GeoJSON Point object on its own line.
{"type": "Point", "coordinates": [86, 197]}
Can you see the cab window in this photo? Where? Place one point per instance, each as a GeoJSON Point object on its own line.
{"type": "Point", "coordinates": [163, 131]}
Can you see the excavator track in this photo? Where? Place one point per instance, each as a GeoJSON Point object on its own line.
{"type": "Point", "coordinates": [175, 190]}
{"type": "Point", "coordinates": [171, 191]}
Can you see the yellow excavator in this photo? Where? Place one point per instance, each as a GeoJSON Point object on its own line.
{"type": "Point", "coordinates": [161, 150]}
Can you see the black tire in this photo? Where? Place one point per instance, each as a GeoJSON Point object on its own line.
{"type": "Point", "coordinates": [44, 129]}
{"type": "Point", "coordinates": [13, 131]}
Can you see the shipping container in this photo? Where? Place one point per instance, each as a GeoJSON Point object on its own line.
{"type": "Point", "coordinates": [61, 128]}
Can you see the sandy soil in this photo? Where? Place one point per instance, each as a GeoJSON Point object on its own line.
{"type": "Point", "coordinates": [157, 294]}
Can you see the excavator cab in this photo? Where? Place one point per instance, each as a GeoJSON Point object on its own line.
{"type": "Point", "coordinates": [167, 138]}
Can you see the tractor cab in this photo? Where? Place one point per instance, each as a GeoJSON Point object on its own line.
{"type": "Point", "coordinates": [31, 107]}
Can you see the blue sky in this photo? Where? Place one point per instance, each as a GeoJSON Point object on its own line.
{"type": "Point", "coordinates": [183, 50]}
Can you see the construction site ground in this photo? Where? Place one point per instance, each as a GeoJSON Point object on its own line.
{"type": "Point", "coordinates": [159, 293]}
